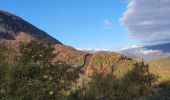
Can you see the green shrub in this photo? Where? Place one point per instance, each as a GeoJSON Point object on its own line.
{"type": "Point", "coordinates": [34, 77]}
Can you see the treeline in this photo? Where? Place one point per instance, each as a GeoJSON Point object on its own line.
{"type": "Point", "coordinates": [33, 76]}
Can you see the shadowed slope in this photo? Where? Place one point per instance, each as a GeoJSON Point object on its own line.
{"type": "Point", "coordinates": [13, 27]}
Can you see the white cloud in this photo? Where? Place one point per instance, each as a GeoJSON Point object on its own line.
{"type": "Point", "coordinates": [140, 18]}
{"type": "Point", "coordinates": [97, 50]}
{"type": "Point", "coordinates": [130, 47]}
{"type": "Point", "coordinates": [146, 52]}
{"type": "Point", "coordinates": [107, 24]}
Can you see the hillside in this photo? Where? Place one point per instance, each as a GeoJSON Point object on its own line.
{"type": "Point", "coordinates": [109, 63]}
{"type": "Point", "coordinates": [15, 31]}
{"type": "Point", "coordinates": [13, 27]}
{"type": "Point", "coordinates": [69, 55]}
{"type": "Point", "coordinates": [161, 67]}
{"type": "Point", "coordinates": [54, 67]}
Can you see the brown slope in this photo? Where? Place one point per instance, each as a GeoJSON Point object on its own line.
{"type": "Point", "coordinates": [109, 63]}
{"type": "Point", "coordinates": [161, 67]}
{"type": "Point", "coordinates": [69, 55]}
{"type": "Point", "coordinates": [14, 31]}
{"type": "Point", "coordinates": [13, 27]}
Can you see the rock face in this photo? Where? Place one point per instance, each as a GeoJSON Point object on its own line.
{"type": "Point", "coordinates": [13, 27]}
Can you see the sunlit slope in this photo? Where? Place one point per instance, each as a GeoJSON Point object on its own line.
{"type": "Point", "coordinates": [15, 31]}
{"type": "Point", "coordinates": [161, 67]}
{"type": "Point", "coordinates": [106, 63]}
{"type": "Point", "coordinates": [69, 55]}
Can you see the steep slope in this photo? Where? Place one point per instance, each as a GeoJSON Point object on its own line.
{"type": "Point", "coordinates": [14, 31]}
{"type": "Point", "coordinates": [13, 27]}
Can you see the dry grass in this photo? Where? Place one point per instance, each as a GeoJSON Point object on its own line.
{"type": "Point", "coordinates": [69, 55]}
{"type": "Point", "coordinates": [161, 67]}
{"type": "Point", "coordinates": [106, 63]}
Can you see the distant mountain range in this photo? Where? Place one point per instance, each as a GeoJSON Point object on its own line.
{"type": "Point", "coordinates": [162, 47]}
{"type": "Point", "coordinates": [92, 51]}
{"type": "Point", "coordinates": [148, 52]}
{"type": "Point", "coordinates": [140, 52]}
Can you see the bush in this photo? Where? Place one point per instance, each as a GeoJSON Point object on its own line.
{"type": "Point", "coordinates": [3, 71]}
{"type": "Point", "coordinates": [132, 86]}
{"type": "Point", "coordinates": [34, 77]}
{"type": "Point", "coordinates": [37, 52]}
{"type": "Point", "coordinates": [32, 81]}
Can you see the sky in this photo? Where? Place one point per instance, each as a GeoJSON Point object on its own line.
{"type": "Point", "coordinates": [96, 24]}
{"type": "Point", "coordinates": [148, 21]}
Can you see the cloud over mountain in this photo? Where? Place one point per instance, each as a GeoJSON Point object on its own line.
{"type": "Point", "coordinates": [140, 18]}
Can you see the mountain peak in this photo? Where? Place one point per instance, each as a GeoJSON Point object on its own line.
{"type": "Point", "coordinates": [13, 27]}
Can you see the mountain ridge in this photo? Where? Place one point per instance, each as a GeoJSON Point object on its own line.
{"type": "Point", "coordinates": [148, 52]}
{"type": "Point", "coordinates": [14, 31]}
{"type": "Point", "coordinates": [13, 27]}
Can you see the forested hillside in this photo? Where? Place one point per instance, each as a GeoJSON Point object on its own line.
{"type": "Point", "coordinates": [33, 75]}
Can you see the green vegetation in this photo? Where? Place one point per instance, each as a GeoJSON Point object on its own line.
{"type": "Point", "coordinates": [105, 63]}
{"type": "Point", "coordinates": [134, 85]}
{"type": "Point", "coordinates": [69, 55]}
{"type": "Point", "coordinates": [35, 76]}
{"type": "Point", "coordinates": [161, 67]}
{"type": "Point", "coordinates": [3, 70]}
{"type": "Point", "coordinates": [36, 52]}
{"type": "Point", "coordinates": [101, 63]}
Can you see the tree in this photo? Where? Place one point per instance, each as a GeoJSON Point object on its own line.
{"type": "Point", "coordinates": [137, 81]}
{"type": "Point", "coordinates": [105, 87]}
{"type": "Point", "coordinates": [3, 71]}
{"type": "Point", "coordinates": [133, 85]}
{"type": "Point", "coordinates": [36, 78]}
{"type": "Point", "coordinates": [37, 52]}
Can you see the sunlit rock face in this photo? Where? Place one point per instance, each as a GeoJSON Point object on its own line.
{"type": "Point", "coordinates": [13, 27]}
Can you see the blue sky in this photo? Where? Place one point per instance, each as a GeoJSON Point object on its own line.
{"type": "Point", "coordinates": [90, 24]}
